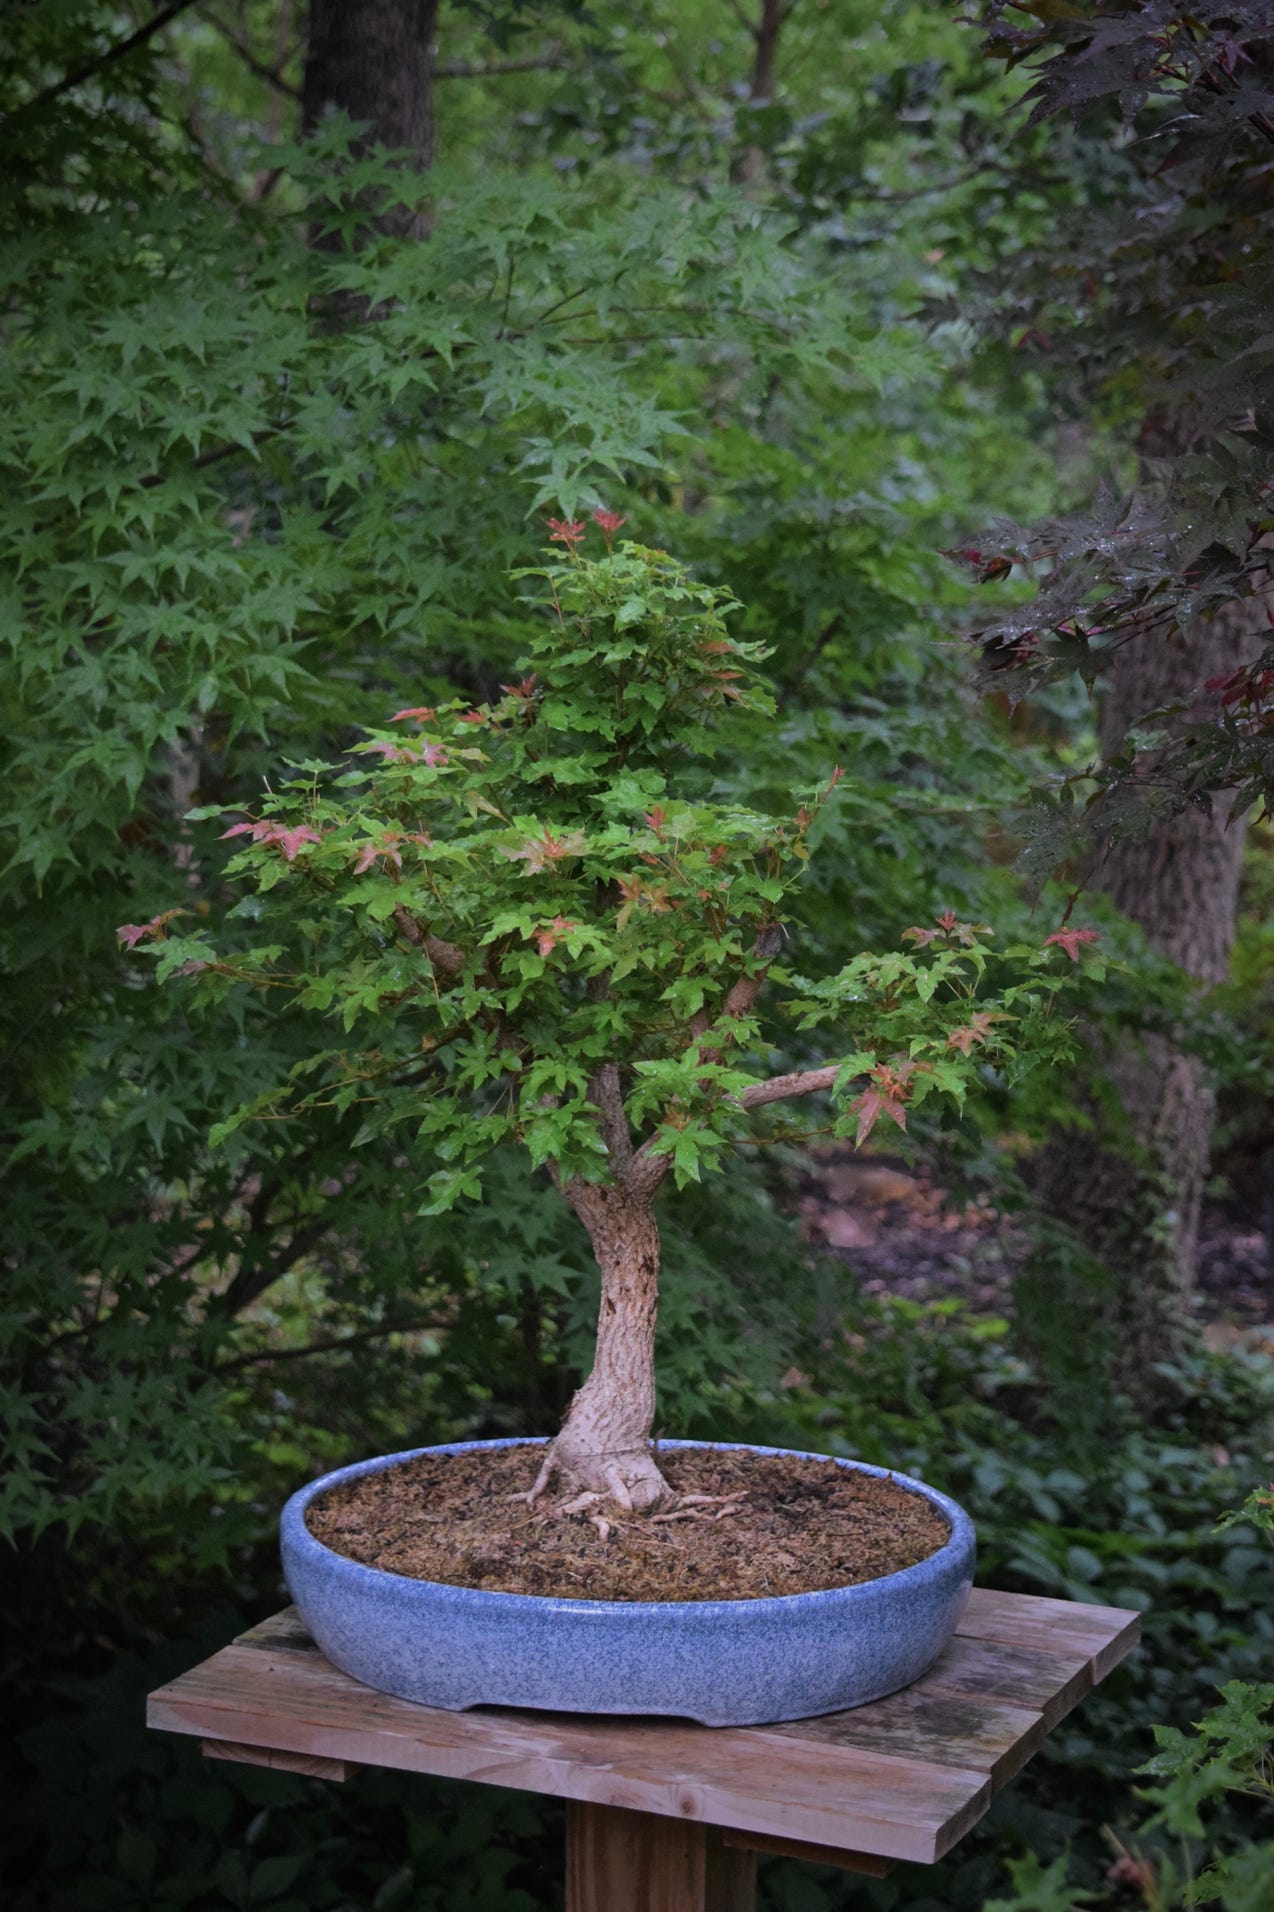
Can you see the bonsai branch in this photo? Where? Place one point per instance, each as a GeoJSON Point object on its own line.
{"type": "Point", "coordinates": [782, 1088]}
{"type": "Point", "coordinates": [606, 1095]}
{"type": "Point", "coordinates": [446, 959]}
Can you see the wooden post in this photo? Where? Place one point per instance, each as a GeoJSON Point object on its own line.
{"type": "Point", "coordinates": [623, 1861]}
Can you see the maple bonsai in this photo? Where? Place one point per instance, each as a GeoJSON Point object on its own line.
{"type": "Point", "coordinates": [538, 924]}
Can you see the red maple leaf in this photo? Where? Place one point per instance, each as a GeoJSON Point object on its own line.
{"type": "Point", "coordinates": [422, 711]}
{"type": "Point", "coordinates": [392, 753]}
{"type": "Point", "coordinates": [977, 1029]}
{"type": "Point", "coordinates": [655, 819]}
{"type": "Point", "coordinates": [869, 1108]}
{"type": "Point", "coordinates": [386, 846]}
{"type": "Point", "coordinates": [473, 717]}
{"type": "Point", "coordinates": [292, 841]}
{"type": "Point", "coordinates": [567, 531]}
{"type": "Point", "coordinates": [892, 1083]}
{"type": "Point", "coordinates": [538, 852]}
{"type": "Point", "coordinates": [276, 837]}
{"type": "Point", "coordinates": [548, 936]}
{"type": "Point", "coordinates": [130, 934]}
{"type": "Point", "coordinates": [1070, 940]}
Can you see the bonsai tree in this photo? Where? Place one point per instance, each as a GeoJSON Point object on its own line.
{"type": "Point", "coordinates": [538, 922]}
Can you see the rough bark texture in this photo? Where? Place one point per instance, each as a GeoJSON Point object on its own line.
{"type": "Point", "coordinates": [374, 59]}
{"type": "Point", "coordinates": [604, 1443]}
{"type": "Point", "coordinates": [1131, 1189]}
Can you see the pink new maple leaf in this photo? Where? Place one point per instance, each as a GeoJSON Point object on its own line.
{"type": "Point", "coordinates": [977, 1029]}
{"type": "Point", "coordinates": [544, 849]}
{"type": "Point", "coordinates": [275, 836]}
{"type": "Point", "coordinates": [130, 934]}
{"type": "Point", "coordinates": [1070, 940]}
{"type": "Point", "coordinates": [549, 935]}
{"type": "Point", "coordinates": [386, 846]}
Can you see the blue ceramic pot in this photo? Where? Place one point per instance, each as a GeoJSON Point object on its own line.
{"type": "Point", "coordinates": [722, 1662]}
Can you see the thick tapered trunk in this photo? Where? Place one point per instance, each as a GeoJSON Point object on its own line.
{"type": "Point", "coordinates": [604, 1443]}
{"type": "Point", "coordinates": [1131, 1185]}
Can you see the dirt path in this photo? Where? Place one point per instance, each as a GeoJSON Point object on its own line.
{"type": "Point", "coordinates": [896, 1229]}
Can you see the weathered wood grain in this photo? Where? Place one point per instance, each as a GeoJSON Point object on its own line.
{"type": "Point", "coordinates": [307, 1763]}
{"type": "Point", "coordinates": [635, 1862]}
{"type": "Point", "coordinates": [877, 1802]}
{"type": "Point", "coordinates": [284, 1632]}
{"type": "Point", "coordinates": [901, 1779]}
{"type": "Point", "coordinates": [941, 1724]}
{"type": "Point", "coordinates": [1105, 1635]}
{"type": "Point", "coordinates": [1049, 1684]}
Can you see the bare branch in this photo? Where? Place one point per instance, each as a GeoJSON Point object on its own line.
{"type": "Point", "coordinates": [334, 1345]}
{"type": "Point", "coordinates": [766, 35]}
{"type": "Point", "coordinates": [541, 63]}
{"type": "Point", "coordinates": [252, 1279]}
{"type": "Point", "coordinates": [117, 52]}
{"type": "Point", "coordinates": [448, 959]}
{"type": "Point", "coordinates": [270, 74]}
{"type": "Point", "coordinates": [784, 1087]}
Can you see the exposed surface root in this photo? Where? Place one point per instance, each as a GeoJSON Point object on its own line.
{"type": "Point", "coordinates": [700, 1507]}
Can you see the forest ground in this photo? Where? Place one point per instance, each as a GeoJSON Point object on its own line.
{"type": "Point", "coordinates": [895, 1226]}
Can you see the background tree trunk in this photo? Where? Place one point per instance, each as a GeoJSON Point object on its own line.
{"type": "Point", "coordinates": [1131, 1187]}
{"type": "Point", "coordinates": [374, 59]}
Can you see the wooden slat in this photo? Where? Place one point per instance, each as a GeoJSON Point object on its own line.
{"type": "Point", "coordinates": [1048, 1684]}
{"type": "Point", "coordinates": [941, 1724]}
{"type": "Point", "coordinates": [1104, 1635]}
{"type": "Point", "coordinates": [901, 1779]}
{"type": "Point", "coordinates": [284, 1632]}
{"type": "Point", "coordinates": [875, 1802]}
{"type": "Point", "coordinates": [307, 1763]}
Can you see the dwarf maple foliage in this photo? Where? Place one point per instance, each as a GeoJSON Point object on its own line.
{"type": "Point", "coordinates": [544, 888]}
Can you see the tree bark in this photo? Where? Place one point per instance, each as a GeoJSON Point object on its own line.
{"type": "Point", "coordinates": [1130, 1187]}
{"type": "Point", "coordinates": [374, 60]}
{"type": "Point", "coordinates": [604, 1443]}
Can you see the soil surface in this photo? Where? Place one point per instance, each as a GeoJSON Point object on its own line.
{"type": "Point", "coordinates": [769, 1525]}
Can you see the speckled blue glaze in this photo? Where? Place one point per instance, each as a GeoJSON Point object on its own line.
{"type": "Point", "coordinates": [722, 1662]}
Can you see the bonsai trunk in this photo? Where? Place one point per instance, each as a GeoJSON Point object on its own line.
{"type": "Point", "coordinates": [604, 1444]}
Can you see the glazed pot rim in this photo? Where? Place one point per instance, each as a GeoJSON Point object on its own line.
{"type": "Point", "coordinates": [958, 1546]}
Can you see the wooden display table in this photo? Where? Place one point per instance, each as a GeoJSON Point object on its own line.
{"type": "Point", "coordinates": [667, 1816]}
